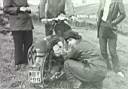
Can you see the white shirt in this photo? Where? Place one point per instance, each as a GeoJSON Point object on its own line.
{"type": "Point", "coordinates": [1, 3]}
{"type": "Point", "coordinates": [106, 9]}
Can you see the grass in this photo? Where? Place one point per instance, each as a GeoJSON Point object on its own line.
{"type": "Point", "coordinates": [9, 79]}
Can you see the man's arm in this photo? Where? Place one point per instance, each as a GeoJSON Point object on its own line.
{"type": "Point", "coordinates": [101, 7]}
{"type": "Point", "coordinates": [42, 8]}
{"type": "Point", "coordinates": [99, 16]}
{"type": "Point", "coordinates": [122, 13]}
{"type": "Point", "coordinates": [8, 8]}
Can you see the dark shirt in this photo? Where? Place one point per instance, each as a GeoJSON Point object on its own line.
{"type": "Point", "coordinates": [18, 20]}
{"type": "Point", "coordinates": [53, 8]}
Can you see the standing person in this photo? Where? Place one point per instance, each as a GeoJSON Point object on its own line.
{"type": "Point", "coordinates": [52, 9]}
{"type": "Point", "coordinates": [110, 14]}
{"type": "Point", "coordinates": [21, 27]}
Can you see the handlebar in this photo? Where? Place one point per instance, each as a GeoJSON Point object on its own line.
{"type": "Point", "coordinates": [55, 19]}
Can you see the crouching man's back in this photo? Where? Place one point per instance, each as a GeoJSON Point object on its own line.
{"type": "Point", "coordinates": [84, 64]}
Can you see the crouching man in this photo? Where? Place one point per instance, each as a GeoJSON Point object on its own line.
{"type": "Point", "coordinates": [83, 62]}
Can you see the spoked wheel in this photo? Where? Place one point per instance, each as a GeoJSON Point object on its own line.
{"type": "Point", "coordinates": [40, 73]}
{"type": "Point", "coordinates": [38, 67]}
{"type": "Point", "coordinates": [31, 55]}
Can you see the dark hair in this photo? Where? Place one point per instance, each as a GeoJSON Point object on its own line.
{"type": "Point", "coordinates": [72, 34]}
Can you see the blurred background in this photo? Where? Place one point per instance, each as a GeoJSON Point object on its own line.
{"type": "Point", "coordinates": [85, 9]}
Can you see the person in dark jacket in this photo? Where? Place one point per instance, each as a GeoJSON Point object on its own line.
{"type": "Point", "coordinates": [21, 27]}
{"type": "Point", "coordinates": [113, 13]}
{"type": "Point", "coordinates": [83, 62]}
{"type": "Point", "coordinates": [52, 9]}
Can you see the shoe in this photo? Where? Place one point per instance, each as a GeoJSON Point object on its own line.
{"type": "Point", "coordinates": [121, 74]}
{"type": "Point", "coordinates": [17, 67]}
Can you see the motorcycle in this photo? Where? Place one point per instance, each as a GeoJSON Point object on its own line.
{"type": "Point", "coordinates": [41, 64]}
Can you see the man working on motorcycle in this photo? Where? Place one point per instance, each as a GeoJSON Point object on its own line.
{"type": "Point", "coordinates": [79, 59]}
{"type": "Point", "coordinates": [82, 61]}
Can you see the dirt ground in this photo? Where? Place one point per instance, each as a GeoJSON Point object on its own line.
{"type": "Point", "coordinates": [9, 79]}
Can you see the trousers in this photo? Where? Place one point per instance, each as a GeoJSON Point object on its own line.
{"type": "Point", "coordinates": [22, 41]}
{"type": "Point", "coordinates": [108, 40]}
{"type": "Point", "coordinates": [85, 74]}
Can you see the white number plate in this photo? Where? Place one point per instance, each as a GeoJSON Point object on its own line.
{"type": "Point", "coordinates": [34, 76]}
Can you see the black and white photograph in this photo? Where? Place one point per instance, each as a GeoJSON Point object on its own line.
{"type": "Point", "coordinates": [63, 44]}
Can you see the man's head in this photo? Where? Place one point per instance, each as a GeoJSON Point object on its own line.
{"type": "Point", "coordinates": [72, 38]}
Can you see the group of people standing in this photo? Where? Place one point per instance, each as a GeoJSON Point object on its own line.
{"type": "Point", "coordinates": [82, 62]}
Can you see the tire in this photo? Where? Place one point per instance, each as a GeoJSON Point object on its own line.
{"type": "Point", "coordinates": [31, 55]}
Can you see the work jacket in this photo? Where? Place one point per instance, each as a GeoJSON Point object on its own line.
{"type": "Point", "coordinates": [88, 54]}
{"type": "Point", "coordinates": [19, 21]}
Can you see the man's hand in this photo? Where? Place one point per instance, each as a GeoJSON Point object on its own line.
{"type": "Point", "coordinates": [62, 17]}
{"type": "Point", "coordinates": [112, 25]}
{"type": "Point", "coordinates": [44, 21]}
{"type": "Point", "coordinates": [24, 9]}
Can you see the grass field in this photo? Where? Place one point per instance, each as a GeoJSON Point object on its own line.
{"type": "Point", "coordinates": [9, 79]}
